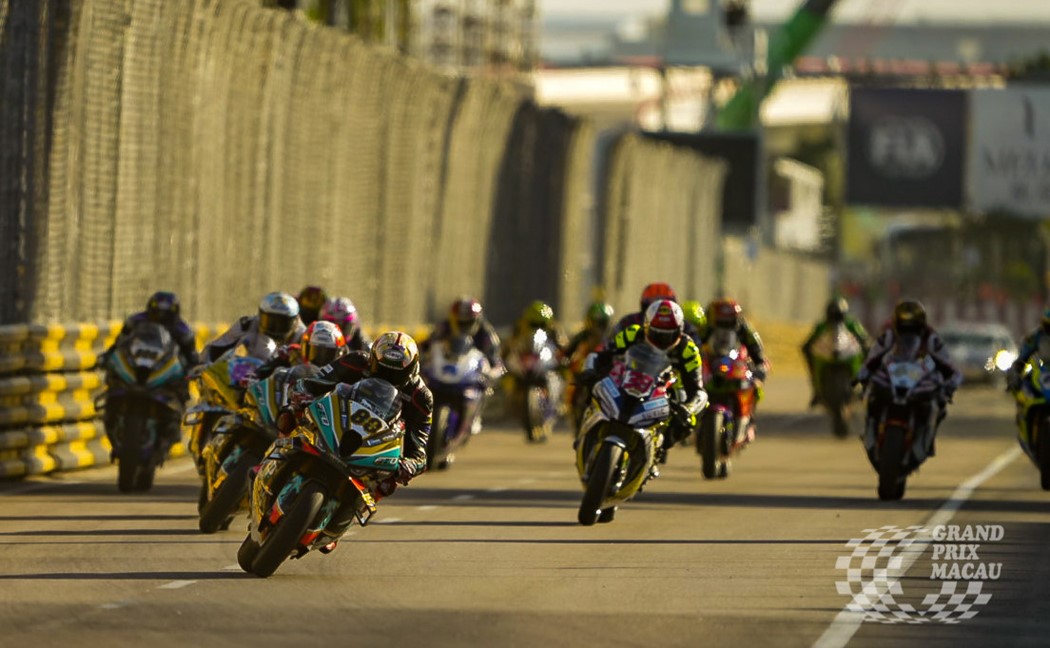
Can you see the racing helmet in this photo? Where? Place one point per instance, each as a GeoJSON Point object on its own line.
{"type": "Point", "coordinates": [394, 357]}
{"type": "Point", "coordinates": [323, 343]}
{"type": "Point", "coordinates": [341, 312]}
{"type": "Point", "coordinates": [311, 299]}
{"type": "Point", "coordinates": [836, 310]}
{"type": "Point", "coordinates": [909, 316]}
{"type": "Point", "coordinates": [464, 317]}
{"type": "Point", "coordinates": [538, 314]}
{"type": "Point", "coordinates": [278, 315]}
{"type": "Point", "coordinates": [655, 291]}
{"type": "Point", "coordinates": [664, 322]}
{"type": "Point", "coordinates": [694, 314]}
{"type": "Point", "coordinates": [599, 316]}
{"type": "Point", "coordinates": [163, 307]}
{"type": "Point", "coordinates": [724, 313]}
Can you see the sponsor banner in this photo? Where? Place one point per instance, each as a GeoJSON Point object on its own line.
{"type": "Point", "coordinates": [906, 147]}
{"type": "Point", "coordinates": [1009, 160]}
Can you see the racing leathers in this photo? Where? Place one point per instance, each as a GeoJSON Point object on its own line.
{"type": "Point", "coordinates": [685, 359]}
{"type": "Point", "coordinates": [246, 331]}
{"type": "Point", "coordinates": [485, 340]}
{"type": "Point", "coordinates": [417, 408]}
{"type": "Point", "coordinates": [179, 330]}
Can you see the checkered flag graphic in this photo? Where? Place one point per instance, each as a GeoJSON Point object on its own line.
{"type": "Point", "coordinates": [873, 571]}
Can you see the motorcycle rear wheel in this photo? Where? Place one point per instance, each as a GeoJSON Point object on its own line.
{"type": "Point", "coordinates": [436, 446]}
{"type": "Point", "coordinates": [603, 470]}
{"type": "Point", "coordinates": [284, 538]}
{"type": "Point", "coordinates": [129, 461]}
{"type": "Point", "coordinates": [217, 513]}
{"type": "Point", "coordinates": [891, 464]}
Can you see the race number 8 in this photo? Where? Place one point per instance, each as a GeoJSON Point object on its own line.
{"type": "Point", "coordinates": [363, 418]}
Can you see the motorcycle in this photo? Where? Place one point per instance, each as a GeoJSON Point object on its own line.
{"type": "Point", "coordinates": [145, 377]}
{"type": "Point", "coordinates": [621, 431]}
{"type": "Point", "coordinates": [238, 444]}
{"type": "Point", "coordinates": [1033, 411]}
{"type": "Point", "coordinates": [578, 397]}
{"type": "Point", "coordinates": [837, 357]}
{"type": "Point", "coordinates": [314, 484]}
{"type": "Point", "coordinates": [537, 384]}
{"type": "Point", "coordinates": [726, 426]}
{"type": "Point", "coordinates": [457, 374]}
{"type": "Point", "coordinates": [902, 404]}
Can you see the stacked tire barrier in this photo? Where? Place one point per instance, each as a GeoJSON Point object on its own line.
{"type": "Point", "coordinates": [48, 421]}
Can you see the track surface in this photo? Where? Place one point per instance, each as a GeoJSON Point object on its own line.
{"type": "Point", "coordinates": [489, 553]}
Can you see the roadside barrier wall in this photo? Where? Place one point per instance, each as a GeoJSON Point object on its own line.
{"type": "Point", "coordinates": [48, 421]}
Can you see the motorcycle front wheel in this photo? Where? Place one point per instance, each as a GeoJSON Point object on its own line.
{"type": "Point", "coordinates": [891, 464]}
{"type": "Point", "coordinates": [707, 444]}
{"type": "Point", "coordinates": [538, 424]}
{"type": "Point", "coordinates": [129, 460]}
{"type": "Point", "coordinates": [217, 513]}
{"type": "Point", "coordinates": [284, 538]}
{"type": "Point", "coordinates": [1042, 447]}
{"type": "Point", "coordinates": [599, 481]}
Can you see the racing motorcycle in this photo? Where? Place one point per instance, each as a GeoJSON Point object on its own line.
{"type": "Point", "coordinates": [577, 396]}
{"type": "Point", "coordinates": [621, 431]}
{"type": "Point", "coordinates": [145, 378]}
{"type": "Point", "coordinates": [726, 425]}
{"type": "Point", "coordinates": [837, 357]}
{"type": "Point", "coordinates": [903, 397]}
{"type": "Point", "coordinates": [538, 386]}
{"type": "Point", "coordinates": [1033, 411]}
{"type": "Point", "coordinates": [457, 374]}
{"type": "Point", "coordinates": [238, 444]}
{"type": "Point", "coordinates": [314, 484]}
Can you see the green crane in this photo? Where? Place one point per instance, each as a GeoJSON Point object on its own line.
{"type": "Point", "coordinates": [741, 111]}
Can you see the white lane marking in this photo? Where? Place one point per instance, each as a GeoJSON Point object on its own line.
{"type": "Point", "coordinates": [464, 497]}
{"type": "Point", "coordinates": [427, 507]}
{"type": "Point", "coordinates": [232, 568]}
{"type": "Point", "coordinates": [113, 606]}
{"type": "Point", "coordinates": [176, 584]}
{"type": "Point", "coordinates": [498, 489]}
{"type": "Point", "coordinates": [526, 480]}
{"type": "Point", "coordinates": [846, 623]}
{"type": "Point", "coordinates": [388, 521]}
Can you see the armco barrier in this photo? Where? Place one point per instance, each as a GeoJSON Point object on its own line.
{"type": "Point", "coordinates": [48, 421]}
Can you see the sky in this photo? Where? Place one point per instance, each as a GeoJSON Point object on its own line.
{"type": "Point", "coordinates": [981, 11]}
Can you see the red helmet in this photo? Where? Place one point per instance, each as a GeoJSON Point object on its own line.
{"type": "Point", "coordinates": [322, 343]}
{"type": "Point", "coordinates": [724, 313]}
{"type": "Point", "coordinates": [655, 291]}
{"type": "Point", "coordinates": [664, 322]}
{"type": "Point", "coordinates": [464, 316]}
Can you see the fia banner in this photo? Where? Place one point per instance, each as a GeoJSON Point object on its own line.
{"type": "Point", "coordinates": [906, 147]}
{"type": "Point", "coordinates": [1009, 160]}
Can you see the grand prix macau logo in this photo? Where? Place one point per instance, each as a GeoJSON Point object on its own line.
{"type": "Point", "coordinates": [949, 555]}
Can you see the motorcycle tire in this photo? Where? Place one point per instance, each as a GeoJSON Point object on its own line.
{"type": "Point", "coordinates": [144, 480]}
{"type": "Point", "coordinates": [600, 479]}
{"type": "Point", "coordinates": [891, 464]}
{"type": "Point", "coordinates": [283, 539]}
{"type": "Point", "coordinates": [1042, 448]}
{"type": "Point", "coordinates": [836, 398]}
{"type": "Point", "coordinates": [246, 553]}
{"type": "Point", "coordinates": [218, 512]}
{"type": "Point", "coordinates": [707, 442]}
{"type": "Point", "coordinates": [129, 459]}
{"type": "Point", "coordinates": [436, 445]}
{"type": "Point", "coordinates": [537, 424]}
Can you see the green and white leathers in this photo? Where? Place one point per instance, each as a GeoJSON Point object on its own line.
{"type": "Point", "coordinates": [1033, 411]}
{"type": "Point", "coordinates": [834, 352]}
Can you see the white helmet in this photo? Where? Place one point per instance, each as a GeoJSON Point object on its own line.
{"type": "Point", "coordinates": [278, 315]}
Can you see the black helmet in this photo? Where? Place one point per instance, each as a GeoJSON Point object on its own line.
{"type": "Point", "coordinates": [837, 309]}
{"type": "Point", "coordinates": [163, 307]}
{"type": "Point", "coordinates": [909, 316]}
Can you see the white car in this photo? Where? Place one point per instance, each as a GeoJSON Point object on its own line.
{"type": "Point", "coordinates": [982, 351]}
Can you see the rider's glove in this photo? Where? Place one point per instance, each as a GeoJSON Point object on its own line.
{"type": "Point", "coordinates": [949, 392]}
{"type": "Point", "coordinates": [1013, 382]}
{"type": "Point", "coordinates": [862, 377]}
{"type": "Point", "coordinates": [681, 415]}
{"type": "Point", "coordinates": [406, 470]}
{"type": "Point", "coordinates": [587, 377]}
{"type": "Point", "coordinates": [286, 423]}
{"type": "Point", "coordinates": [760, 374]}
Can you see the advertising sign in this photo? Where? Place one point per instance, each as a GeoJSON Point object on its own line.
{"type": "Point", "coordinates": [906, 147]}
{"type": "Point", "coordinates": [1009, 160]}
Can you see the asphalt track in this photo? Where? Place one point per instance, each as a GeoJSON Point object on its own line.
{"type": "Point", "coordinates": [489, 553]}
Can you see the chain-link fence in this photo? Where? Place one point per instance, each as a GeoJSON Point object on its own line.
{"type": "Point", "coordinates": [223, 150]}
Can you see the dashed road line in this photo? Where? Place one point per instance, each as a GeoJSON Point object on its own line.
{"type": "Point", "coordinates": [464, 497]}
{"type": "Point", "coordinates": [426, 507]}
{"type": "Point", "coordinates": [176, 584]}
{"type": "Point", "coordinates": [388, 521]}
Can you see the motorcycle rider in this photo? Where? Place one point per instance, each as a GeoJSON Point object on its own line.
{"type": "Point", "coordinates": [909, 317]}
{"type": "Point", "coordinates": [322, 344]}
{"type": "Point", "coordinates": [651, 293]}
{"type": "Point", "coordinates": [836, 312]}
{"type": "Point", "coordinates": [278, 319]}
{"type": "Point", "coordinates": [539, 316]}
{"type": "Point", "coordinates": [162, 308]}
{"type": "Point", "coordinates": [727, 314]}
{"type": "Point", "coordinates": [342, 312]}
{"type": "Point", "coordinates": [466, 317]}
{"type": "Point", "coordinates": [311, 299]}
{"type": "Point", "coordinates": [1029, 345]}
{"type": "Point", "coordinates": [595, 327]}
{"type": "Point", "coordinates": [664, 330]}
{"type": "Point", "coordinates": [394, 357]}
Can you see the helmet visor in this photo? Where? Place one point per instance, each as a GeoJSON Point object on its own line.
{"type": "Point", "coordinates": [663, 338]}
{"type": "Point", "coordinates": [276, 326]}
{"type": "Point", "coordinates": [321, 355]}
